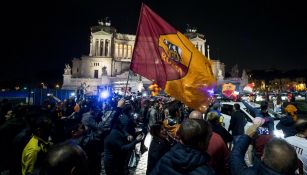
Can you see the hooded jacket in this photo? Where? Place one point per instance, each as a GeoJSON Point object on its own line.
{"type": "Point", "coordinates": [185, 160]}
{"type": "Point", "coordinates": [237, 163]}
{"type": "Point", "coordinates": [286, 124]}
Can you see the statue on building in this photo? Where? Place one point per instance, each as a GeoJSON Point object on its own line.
{"type": "Point", "coordinates": [220, 74]}
{"type": "Point", "coordinates": [244, 78]}
{"type": "Point", "coordinates": [67, 69]}
{"type": "Point", "coordinates": [104, 71]}
{"type": "Point", "coordinates": [81, 91]}
{"type": "Point", "coordinates": [234, 71]}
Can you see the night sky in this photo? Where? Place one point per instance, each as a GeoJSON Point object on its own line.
{"type": "Point", "coordinates": [41, 36]}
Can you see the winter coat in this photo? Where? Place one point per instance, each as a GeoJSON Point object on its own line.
{"type": "Point", "coordinates": [220, 130]}
{"type": "Point", "coordinates": [116, 152]}
{"type": "Point", "coordinates": [237, 163]}
{"type": "Point", "coordinates": [237, 123]}
{"type": "Point", "coordinates": [286, 124]}
{"type": "Point", "coordinates": [181, 160]}
{"type": "Point", "coordinates": [158, 147]}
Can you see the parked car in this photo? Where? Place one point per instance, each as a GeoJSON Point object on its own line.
{"type": "Point", "coordinates": [227, 109]}
{"type": "Point", "coordinates": [284, 96]}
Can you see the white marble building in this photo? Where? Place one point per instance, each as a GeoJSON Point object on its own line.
{"type": "Point", "coordinates": [109, 59]}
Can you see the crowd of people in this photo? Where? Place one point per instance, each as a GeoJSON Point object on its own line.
{"type": "Point", "coordinates": [83, 137]}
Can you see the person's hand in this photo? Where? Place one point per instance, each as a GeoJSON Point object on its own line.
{"type": "Point", "coordinates": [130, 138]}
{"type": "Point", "coordinates": [139, 137]}
{"type": "Point", "coordinates": [251, 131]}
{"type": "Point", "coordinates": [121, 103]}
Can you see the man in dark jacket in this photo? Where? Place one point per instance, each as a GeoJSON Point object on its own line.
{"type": "Point", "coordinates": [279, 157]}
{"type": "Point", "coordinates": [117, 146]}
{"type": "Point", "coordinates": [237, 121]}
{"type": "Point", "coordinates": [287, 123]}
{"type": "Point", "coordinates": [187, 157]}
{"type": "Point", "coordinates": [263, 113]}
{"type": "Point", "coordinates": [216, 127]}
{"type": "Point", "coordinates": [158, 147]}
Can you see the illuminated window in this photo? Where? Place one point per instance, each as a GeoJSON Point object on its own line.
{"type": "Point", "coordinates": [116, 50]}
{"type": "Point", "coordinates": [125, 51]}
{"type": "Point", "coordinates": [120, 50]}
{"type": "Point", "coordinates": [129, 51]}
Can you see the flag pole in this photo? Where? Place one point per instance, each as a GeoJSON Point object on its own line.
{"type": "Point", "coordinates": [127, 84]}
{"type": "Point", "coordinates": [137, 30]}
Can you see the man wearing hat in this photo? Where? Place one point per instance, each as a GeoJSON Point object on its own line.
{"type": "Point", "coordinates": [216, 107]}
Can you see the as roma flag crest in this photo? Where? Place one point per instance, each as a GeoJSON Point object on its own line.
{"type": "Point", "coordinates": [228, 89]}
{"type": "Point", "coordinates": [166, 56]}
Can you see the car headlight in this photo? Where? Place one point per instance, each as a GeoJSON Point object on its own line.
{"type": "Point", "coordinates": [279, 134]}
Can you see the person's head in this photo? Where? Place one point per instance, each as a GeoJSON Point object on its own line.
{"type": "Point", "coordinates": [301, 126]}
{"type": "Point", "coordinates": [66, 159]}
{"type": "Point", "coordinates": [196, 115]}
{"type": "Point", "coordinates": [127, 109]}
{"type": "Point", "coordinates": [195, 133]}
{"type": "Point", "coordinates": [213, 117]}
{"type": "Point", "coordinates": [236, 107]}
{"type": "Point", "coordinates": [77, 131]}
{"type": "Point", "coordinates": [173, 109]}
{"type": "Point", "coordinates": [291, 111]}
{"type": "Point", "coordinates": [42, 127]}
{"type": "Point", "coordinates": [157, 130]}
{"type": "Point", "coordinates": [280, 156]}
{"type": "Point", "coordinates": [216, 106]}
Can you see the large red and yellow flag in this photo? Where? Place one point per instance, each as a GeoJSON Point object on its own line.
{"type": "Point", "coordinates": [166, 56]}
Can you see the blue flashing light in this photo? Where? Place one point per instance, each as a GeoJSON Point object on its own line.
{"type": "Point", "coordinates": [72, 94]}
{"type": "Point", "coordinates": [211, 92]}
{"type": "Point", "coordinates": [104, 94]}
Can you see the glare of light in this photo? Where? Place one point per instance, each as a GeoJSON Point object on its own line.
{"type": "Point", "coordinates": [104, 94]}
{"type": "Point", "coordinates": [48, 94]}
{"type": "Point", "coordinates": [279, 134]}
{"type": "Point", "coordinates": [147, 140]}
{"type": "Point", "coordinates": [144, 94]}
{"type": "Point", "coordinates": [57, 86]}
{"type": "Point", "coordinates": [236, 92]}
{"type": "Point", "coordinates": [210, 91]}
{"type": "Point", "coordinates": [72, 94]}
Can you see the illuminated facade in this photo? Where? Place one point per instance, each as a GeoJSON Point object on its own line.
{"type": "Point", "coordinates": [109, 59]}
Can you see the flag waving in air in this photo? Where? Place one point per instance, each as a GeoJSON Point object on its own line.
{"type": "Point", "coordinates": [166, 56]}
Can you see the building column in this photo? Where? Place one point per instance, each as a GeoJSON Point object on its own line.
{"type": "Point", "coordinates": [204, 47]}
{"type": "Point", "coordinates": [208, 50]}
{"type": "Point", "coordinates": [109, 48]}
{"type": "Point", "coordinates": [98, 48]}
{"type": "Point", "coordinates": [115, 50]}
{"type": "Point", "coordinates": [91, 49]}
